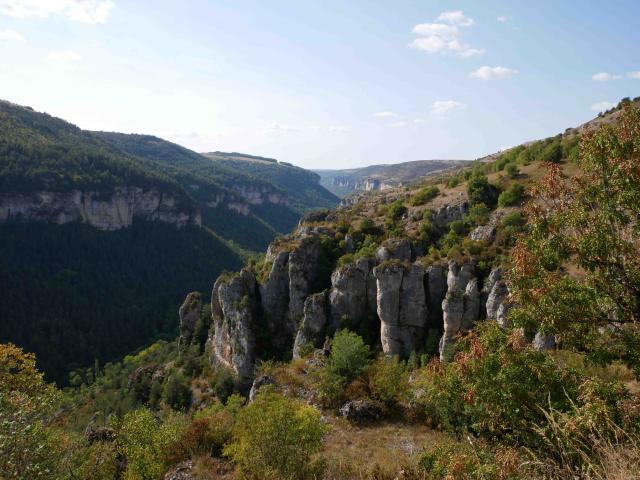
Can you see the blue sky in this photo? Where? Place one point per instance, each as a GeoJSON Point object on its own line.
{"type": "Point", "coordinates": [323, 84]}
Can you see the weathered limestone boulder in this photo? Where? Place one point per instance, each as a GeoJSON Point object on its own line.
{"type": "Point", "coordinates": [234, 312]}
{"type": "Point", "coordinates": [394, 249]}
{"type": "Point", "coordinates": [349, 245]}
{"type": "Point", "coordinates": [483, 233]}
{"type": "Point", "coordinates": [182, 471]}
{"type": "Point", "coordinates": [314, 323]}
{"type": "Point", "coordinates": [501, 314]}
{"type": "Point", "coordinates": [189, 313]}
{"type": "Point", "coordinates": [544, 342]}
{"type": "Point", "coordinates": [471, 304]}
{"type": "Point", "coordinates": [303, 261]}
{"type": "Point", "coordinates": [401, 307]}
{"type": "Point", "coordinates": [274, 300]}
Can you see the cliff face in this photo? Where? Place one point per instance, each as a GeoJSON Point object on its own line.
{"type": "Point", "coordinates": [111, 212]}
{"type": "Point", "coordinates": [397, 301]}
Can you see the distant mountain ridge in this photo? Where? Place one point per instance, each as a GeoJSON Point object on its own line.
{"type": "Point", "coordinates": [381, 177]}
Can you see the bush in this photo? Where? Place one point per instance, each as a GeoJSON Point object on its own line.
{"type": "Point", "coordinates": [478, 214]}
{"type": "Point", "coordinates": [424, 195]}
{"type": "Point", "coordinates": [275, 438]}
{"type": "Point", "coordinates": [396, 210]}
{"type": "Point", "coordinates": [205, 435]}
{"type": "Point", "coordinates": [144, 442]}
{"type": "Point", "coordinates": [458, 227]}
{"type": "Point", "coordinates": [224, 383]}
{"type": "Point", "coordinates": [512, 196]}
{"type": "Point", "coordinates": [177, 392]}
{"type": "Point", "coordinates": [513, 219]}
{"type": "Point", "coordinates": [388, 380]}
{"type": "Point", "coordinates": [496, 387]}
{"type": "Point", "coordinates": [512, 170]}
{"type": "Point", "coordinates": [480, 190]}
{"type": "Point", "coordinates": [348, 360]}
{"type": "Point", "coordinates": [552, 152]}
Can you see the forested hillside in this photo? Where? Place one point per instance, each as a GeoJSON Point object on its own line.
{"type": "Point", "coordinates": [103, 234]}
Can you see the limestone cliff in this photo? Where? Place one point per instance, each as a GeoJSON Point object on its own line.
{"type": "Point", "coordinates": [105, 212]}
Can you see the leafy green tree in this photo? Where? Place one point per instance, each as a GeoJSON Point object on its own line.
{"type": "Point", "coordinates": [512, 170]}
{"type": "Point", "coordinates": [480, 190]}
{"type": "Point", "coordinates": [144, 440]}
{"type": "Point", "coordinates": [591, 221]}
{"type": "Point", "coordinates": [177, 392]}
{"type": "Point", "coordinates": [388, 380]}
{"type": "Point", "coordinates": [30, 448]}
{"type": "Point", "coordinates": [552, 152]}
{"type": "Point", "coordinates": [275, 438]}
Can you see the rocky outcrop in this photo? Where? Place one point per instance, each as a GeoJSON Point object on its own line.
{"type": "Point", "coordinates": [274, 299]}
{"type": "Point", "coordinates": [112, 212]}
{"type": "Point", "coordinates": [436, 291]}
{"type": "Point", "coordinates": [258, 383]}
{"type": "Point", "coordinates": [449, 213]}
{"type": "Point", "coordinates": [234, 313]}
{"type": "Point", "coordinates": [401, 307]}
{"type": "Point", "coordinates": [359, 411]}
{"type": "Point", "coordinates": [394, 249]}
{"type": "Point", "coordinates": [303, 261]}
{"type": "Point", "coordinates": [460, 306]}
{"type": "Point", "coordinates": [348, 295]}
{"type": "Point", "coordinates": [190, 312]}
{"type": "Point", "coordinates": [313, 326]}
{"type": "Point", "coordinates": [495, 292]}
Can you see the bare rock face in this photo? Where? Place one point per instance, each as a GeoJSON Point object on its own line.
{"type": "Point", "coordinates": [544, 342]}
{"type": "Point", "coordinates": [234, 311]}
{"type": "Point", "coordinates": [104, 213]}
{"type": "Point", "coordinates": [348, 295]}
{"type": "Point", "coordinates": [189, 313]}
{"type": "Point", "coordinates": [314, 323]}
{"type": "Point", "coordinates": [394, 249]}
{"type": "Point", "coordinates": [303, 262]}
{"type": "Point", "coordinates": [436, 290]}
{"type": "Point", "coordinates": [483, 233]}
{"type": "Point", "coordinates": [258, 383]}
{"type": "Point", "coordinates": [449, 213]}
{"type": "Point", "coordinates": [502, 313]}
{"type": "Point", "coordinates": [461, 305]}
{"type": "Point", "coordinates": [401, 306]}
{"type": "Point", "coordinates": [471, 304]}
{"type": "Point", "coordinates": [496, 293]}
{"type": "Point", "coordinates": [274, 299]}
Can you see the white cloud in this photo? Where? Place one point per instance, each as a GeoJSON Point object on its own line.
{"type": "Point", "coordinates": [11, 36]}
{"type": "Point", "coordinates": [605, 77]}
{"type": "Point", "coordinates": [490, 73]}
{"type": "Point", "coordinates": [456, 17]}
{"type": "Point", "coordinates": [502, 18]}
{"type": "Point", "coordinates": [602, 106]}
{"type": "Point", "coordinates": [64, 56]}
{"type": "Point", "coordinates": [397, 124]}
{"type": "Point", "coordinates": [444, 35]}
{"type": "Point", "coordinates": [84, 11]}
{"type": "Point", "coordinates": [278, 128]}
{"type": "Point", "coordinates": [338, 129]}
{"type": "Point", "coordinates": [442, 107]}
{"type": "Point", "coordinates": [386, 115]}
{"type": "Point", "coordinates": [634, 75]}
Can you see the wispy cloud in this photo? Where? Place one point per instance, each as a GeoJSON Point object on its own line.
{"type": "Point", "coordinates": [502, 18]}
{"type": "Point", "coordinates": [338, 129]}
{"type": "Point", "coordinates": [634, 75]}
{"type": "Point", "coordinates": [605, 77]}
{"type": "Point", "coordinates": [64, 56]}
{"type": "Point", "coordinates": [442, 107]}
{"type": "Point", "coordinates": [456, 17]}
{"type": "Point", "coordinates": [398, 124]}
{"type": "Point", "coordinates": [386, 115]}
{"type": "Point", "coordinates": [11, 36]}
{"type": "Point", "coordinates": [444, 35]}
{"type": "Point", "coordinates": [491, 73]}
{"type": "Point", "coordinates": [279, 128]}
{"type": "Point", "coordinates": [84, 11]}
{"type": "Point", "coordinates": [602, 106]}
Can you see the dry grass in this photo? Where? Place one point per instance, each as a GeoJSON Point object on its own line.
{"type": "Point", "coordinates": [386, 450]}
